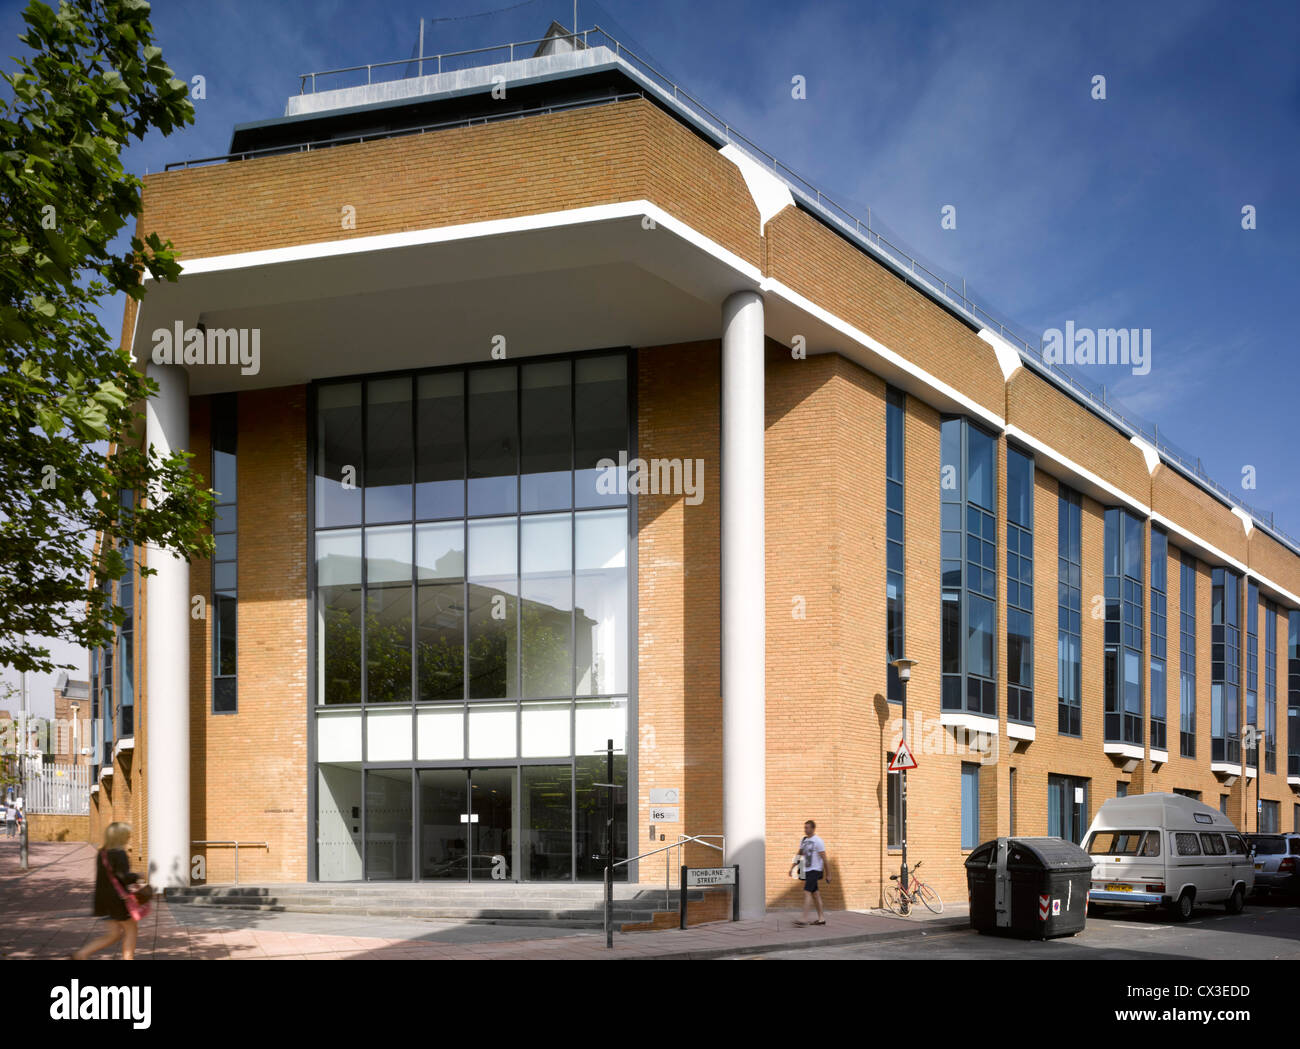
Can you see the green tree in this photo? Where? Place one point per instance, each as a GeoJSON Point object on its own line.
{"type": "Point", "coordinates": [93, 82]}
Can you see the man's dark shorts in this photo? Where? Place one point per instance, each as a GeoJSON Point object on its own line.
{"type": "Point", "coordinates": [810, 880]}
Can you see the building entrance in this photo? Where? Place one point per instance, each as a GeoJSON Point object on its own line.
{"type": "Point", "coordinates": [467, 824]}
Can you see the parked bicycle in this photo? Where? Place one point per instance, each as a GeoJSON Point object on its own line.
{"type": "Point", "coordinates": [916, 891]}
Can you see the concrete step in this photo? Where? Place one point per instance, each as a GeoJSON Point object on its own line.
{"type": "Point", "coordinates": [544, 906]}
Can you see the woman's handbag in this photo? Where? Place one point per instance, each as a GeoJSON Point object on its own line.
{"type": "Point", "coordinates": [136, 907]}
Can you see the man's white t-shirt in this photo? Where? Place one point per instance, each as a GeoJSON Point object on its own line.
{"type": "Point", "coordinates": [812, 848]}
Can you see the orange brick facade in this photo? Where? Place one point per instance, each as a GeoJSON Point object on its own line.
{"type": "Point", "coordinates": [828, 723]}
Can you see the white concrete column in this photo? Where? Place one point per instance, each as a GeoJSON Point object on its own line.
{"type": "Point", "coordinates": [744, 731]}
{"type": "Point", "coordinates": [167, 659]}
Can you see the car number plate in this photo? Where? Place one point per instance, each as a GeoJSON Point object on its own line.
{"type": "Point", "coordinates": [1118, 886]}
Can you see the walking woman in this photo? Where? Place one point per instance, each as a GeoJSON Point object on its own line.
{"type": "Point", "coordinates": [119, 905]}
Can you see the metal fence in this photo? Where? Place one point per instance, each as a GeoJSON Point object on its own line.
{"type": "Point", "coordinates": [61, 789]}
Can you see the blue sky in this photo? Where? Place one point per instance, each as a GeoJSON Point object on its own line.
{"type": "Point", "coordinates": [1117, 213]}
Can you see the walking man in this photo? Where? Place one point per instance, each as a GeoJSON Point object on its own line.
{"type": "Point", "coordinates": [812, 857]}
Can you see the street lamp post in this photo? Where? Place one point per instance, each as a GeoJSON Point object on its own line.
{"type": "Point", "coordinates": [904, 667]}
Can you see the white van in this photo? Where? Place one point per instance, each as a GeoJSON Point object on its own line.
{"type": "Point", "coordinates": [1165, 849]}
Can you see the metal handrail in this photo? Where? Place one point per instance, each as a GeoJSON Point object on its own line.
{"type": "Point", "coordinates": [369, 67]}
{"type": "Point", "coordinates": [899, 258]}
{"type": "Point", "coordinates": [237, 844]}
{"type": "Point", "coordinates": [682, 840]}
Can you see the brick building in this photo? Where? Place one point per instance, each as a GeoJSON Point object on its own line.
{"type": "Point", "coordinates": [434, 598]}
{"type": "Point", "coordinates": [71, 736]}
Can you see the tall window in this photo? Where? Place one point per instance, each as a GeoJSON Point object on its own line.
{"type": "Point", "coordinates": [126, 634]}
{"type": "Point", "coordinates": [1159, 628]}
{"type": "Point", "coordinates": [1187, 656]}
{"type": "Point", "coordinates": [969, 567]}
{"type": "Point", "coordinates": [471, 609]}
{"type": "Point", "coordinates": [1069, 573]}
{"type": "Point", "coordinates": [1270, 689]}
{"type": "Point", "coordinates": [95, 656]}
{"type": "Point", "coordinates": [970, 805]}
{"type": "Point", "coordinates": [893, 806]}
{"type": "Point", "coordinates": [1252, 666]}
{"type": "Point", "coordinates": [1067, 807]}
{"type": "Point", "coordinates": [1124, 589]}
{"type": "Point", "coordinates": [1293, 695]}
{"type": "Point", "coordinates": [1268, 818]}
{"type": "Point", "coordinates": [1020, 586]}
{"type": "Point", "coordinates": [225, 597]}
{"type": "Point", "coordinates": [1225, 666]}
{"type": "Point", "coordinates": [107, 712]}
{"type": "Point", "coordinates": [894, 637]}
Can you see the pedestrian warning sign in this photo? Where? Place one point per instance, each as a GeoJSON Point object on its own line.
{"type": "Point", "coordinates": [902, 758]}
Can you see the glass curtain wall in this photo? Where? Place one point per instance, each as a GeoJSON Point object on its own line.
{"type": "Point", "coordinates": [471, 620]}
{"type": "Point", "coordinates": [968, 551]}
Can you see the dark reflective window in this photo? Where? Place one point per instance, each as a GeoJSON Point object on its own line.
{"type": "Point", "coordinates": [895, 403]}
{"type": "Point", "coordinates": [225, 480]}
{"type": "Point", "coordinates": [1187, 657]}
{"type": "Point", "coordinates": [546, 438]}
{"type": "Point", "coordinates": [1020, 586]}
{"type": "Point", "coordinates": [1069, 671]}
{"type": "Point", "coordinates": [600, 427]}
{"type": "Point", "coordinates": [969, 541]}
{"type": "Point", "coordinates": [338, 455]}
{"type": "Point", "coordinates": [440, 445]}
{"type": "Point", "coordinates": [493, 442]}
{"type": "Point", "coordinates": [389, 450]}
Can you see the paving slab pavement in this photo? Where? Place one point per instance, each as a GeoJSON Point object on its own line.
{"type": "Point", "coordinates": [46, 914]}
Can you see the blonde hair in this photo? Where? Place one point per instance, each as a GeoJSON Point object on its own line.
{"type": "Point", "coordinates": [117, 835]}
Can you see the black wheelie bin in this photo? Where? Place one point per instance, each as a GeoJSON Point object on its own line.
{"type": "Point", "coordinates": [1034, 888]}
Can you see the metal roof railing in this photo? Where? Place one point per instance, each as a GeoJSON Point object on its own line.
{"type": "Point", "coordinates": [949, 289]}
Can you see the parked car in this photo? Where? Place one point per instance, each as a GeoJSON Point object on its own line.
{"type": "Point", "coordinates": [1152, 850]}
{"type": "Point", "coordinates": [484, 863]}
{"type": "Point", "coordinates": [1277, 863]}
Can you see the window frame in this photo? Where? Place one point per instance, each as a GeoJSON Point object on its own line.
{"type": "Point", "coordinates": [1188, 577]}
{"type": "Point", "coordinates": [1124, 628]}
{"type": "Point", "coordinates": [1069, 660]}
{"type": "Point", "coordinates": [1020, 591]}
{"type": "Point", "coordinates": [224, 439]}
{"type": "Point", "coordinates": [895, 545]}
{"type": "Point", "coordinates": [963, 594]}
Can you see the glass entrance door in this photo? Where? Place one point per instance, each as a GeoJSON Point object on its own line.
{"type": "Point", "coordinates": [467, 824]}
{"type": "Point", "coordinates": [492, 824]}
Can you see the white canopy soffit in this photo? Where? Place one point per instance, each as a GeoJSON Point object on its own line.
{"type": "Point", "coordinates": [624, 274]}
{"type": "Point", "coordinates": [548, 284]}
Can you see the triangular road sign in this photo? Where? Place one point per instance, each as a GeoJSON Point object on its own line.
{"type": "Point", "coordinates": [902, 758]}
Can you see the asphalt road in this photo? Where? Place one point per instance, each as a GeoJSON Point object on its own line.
{"type": "Point", "coordinates": [1265, 930]}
